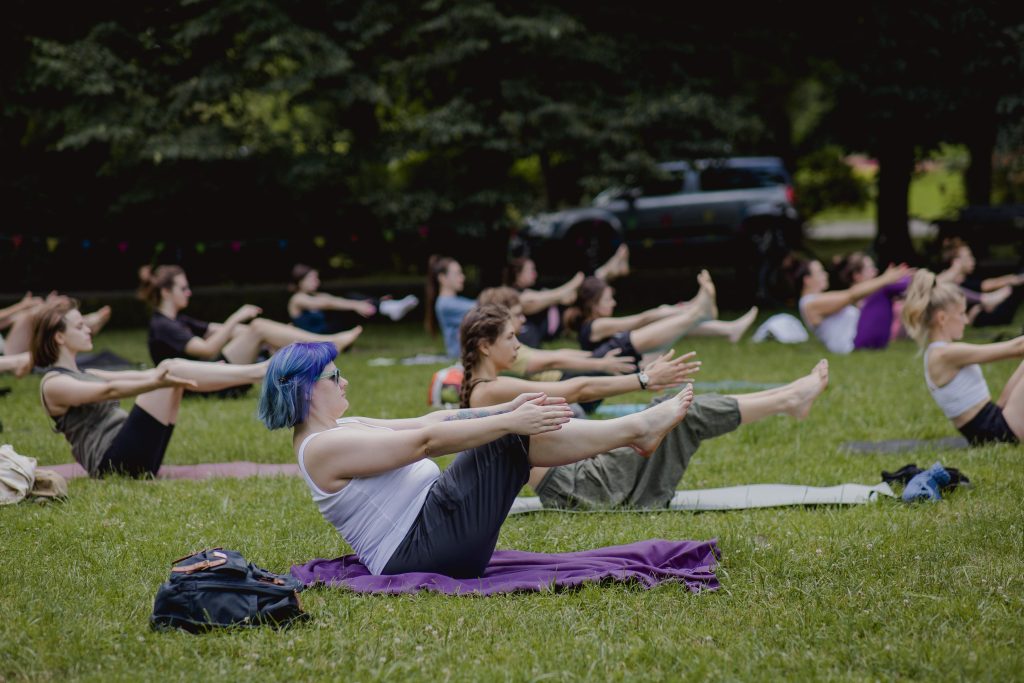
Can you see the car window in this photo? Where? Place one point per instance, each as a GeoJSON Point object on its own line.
{"type": "Point", "coordinates": [725, 178]}
{"type": "Point", "coordinates": [672, 183]}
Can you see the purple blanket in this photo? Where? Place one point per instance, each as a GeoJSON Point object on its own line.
{"type": "Point", "coordinates": [239, 469]}
{"type": "Point", "coordinates": [646, 562]}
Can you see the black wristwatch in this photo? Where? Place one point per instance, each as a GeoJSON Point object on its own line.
{"type": "Point", "coordinates": [644, 379]}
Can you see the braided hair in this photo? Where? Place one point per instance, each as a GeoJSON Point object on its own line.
{"type": "Point", "coordinates": [482, 324]}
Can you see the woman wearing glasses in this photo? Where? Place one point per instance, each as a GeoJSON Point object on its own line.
{"type": "Point", "coordinates": [373, 480]}
{"type": "Point", "coordinates": [237, 340]}
{"type": "Point", "coordinates": [85, 406]}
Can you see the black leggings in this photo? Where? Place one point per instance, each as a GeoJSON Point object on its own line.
{"type": "Point", "coordinates": [138, 449]}
{"type": "Point", "coordinates": [457, 529]}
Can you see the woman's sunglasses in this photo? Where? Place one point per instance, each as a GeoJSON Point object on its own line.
{"type": "Point", "coordinates": [332, 374]}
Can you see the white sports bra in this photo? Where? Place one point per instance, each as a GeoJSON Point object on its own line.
{"type": "Point", "coordinates": [960, 394]}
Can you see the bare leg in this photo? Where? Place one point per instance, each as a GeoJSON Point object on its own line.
{"type": "Point", "coordinates": [217, 376]}
{"type": "Point", "coordinates": [162, 404]}
{"type": "Point", "coordinates": [96, 320]}
{"type": "Point", "coordinates": [244, 347]}
{"type": "Point", "coordinates": [794, 399]}
{"type": "Point", "coordinates": [19, 339]}
{"type": "Point", "coordinates": [733, 329]}
{"type": "Point", "coordinates": [19, 363]}
{"type": "Point", "coordinates": [661, 334]}
{"type": "Point", "coordinates": [1012, 402]}
{"type": "Point", "coordinates": [580, 439]}
{"type": "Point", "coordinates": [615, 267]}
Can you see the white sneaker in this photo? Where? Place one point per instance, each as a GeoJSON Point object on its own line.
{"type": "Point", "coordinates": [396, 310]}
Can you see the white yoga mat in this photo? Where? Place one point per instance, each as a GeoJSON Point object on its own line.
{"type": "Point", "coordinates": [748, 497]}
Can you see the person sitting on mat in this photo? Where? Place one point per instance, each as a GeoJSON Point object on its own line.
{"type": "Point", "coordinates": [618, 478]}
{"type": "Point", "coordinates": [935, 314]}
{"type": "Point", "coordinates": [833, 315]}
{"type": "Point", "coordinates": [445, 281]}
{"type": "Point", "coordinates": [882, 306]}
{"type": "Point", "coordinates": [993, 300]}
{"type": "Point", "coordinates": [317, 312]}
{"type": "Point", "coordinates": [84, 406]}
{"type": "Point", "coordinates": [653, 330]}
{"type": "Point", "coordinates": [542, 307]}
{"type": "Point", "coordinates": [238, 339]}
{"type": "Point", "coordinates": [549, 364]}
{"type": "Point", "coordinates": [373, 479]}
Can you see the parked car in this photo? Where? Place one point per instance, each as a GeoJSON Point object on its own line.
{"type": "Point", "coordinates": [737, 212]}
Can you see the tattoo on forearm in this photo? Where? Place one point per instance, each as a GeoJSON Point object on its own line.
{"type": "Point", "coordinates": [472, 413]}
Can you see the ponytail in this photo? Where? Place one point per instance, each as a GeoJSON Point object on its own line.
{"type": "Point", "coordinates": [925, 297]}
{"type": "Point", "coordinates": [436, 265]}
{"type": "Point", "coordinates": [586, 301]}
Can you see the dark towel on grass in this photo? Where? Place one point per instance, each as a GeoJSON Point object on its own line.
{"type": "Point", "coordinates": [648, 563]}
{"type": "Point", "coordinates": [240, 469]}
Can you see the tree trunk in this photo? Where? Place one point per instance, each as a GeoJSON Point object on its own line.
{"type": "Point", "coordinates": [895, 166]}
{"type": "Point", "coordinates": [981, 142]}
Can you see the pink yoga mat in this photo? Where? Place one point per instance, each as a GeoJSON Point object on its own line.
{"type": "Point", "coordinates": [240, 469]}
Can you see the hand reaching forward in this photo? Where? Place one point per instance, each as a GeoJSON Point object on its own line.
{"type": "Point", "coordinates": [245, 313]}
{"type": "Point", "coordinates": [536, 415]}
{"type": "Point", "coordinates": [165, 379]}
{"type": "Point", "coordinates": [614, 364]}
{"type": "Point", "coordinates": [532, 396]}
{"type": "Point", "coordinates": [667, 371]}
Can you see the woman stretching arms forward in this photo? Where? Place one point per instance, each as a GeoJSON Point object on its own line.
{"type": "Point", "coordinates": [84, 405]}
{"type": "Point", "coordinates": [935, 314]}
{"type": "Point", "coordinates": [619, 477]}
{"type": "Point", "coordinates": [373, 480]}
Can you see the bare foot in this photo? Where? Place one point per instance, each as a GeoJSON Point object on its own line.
{"type": "Point", "coordinates": [805, 390]}
{"type": "Point", "coordinates": [705, 299]}
{"type": "Point", "coordinates": [345, 339]}
{"type": "Point", "coordinates": [741, 324]}
{"type": "Point", "coordinates": [659, 419]}
{"type": "Point", "coordinates": [97, 319]}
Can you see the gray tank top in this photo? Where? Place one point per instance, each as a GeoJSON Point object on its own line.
{"type": "Point", "coordinates": [89, 428]}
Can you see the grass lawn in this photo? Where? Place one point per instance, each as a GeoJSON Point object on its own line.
{"type": "Point", "coordinates": [884, 591]}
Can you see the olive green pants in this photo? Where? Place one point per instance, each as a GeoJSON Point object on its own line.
{"type": "Point", "coordinates": [622, 478]}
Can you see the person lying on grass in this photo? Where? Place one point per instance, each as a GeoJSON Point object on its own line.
{"type": "Point", "coordinates": [617, 478]}
{"type": "Point", "coordinates": [85, 406]}
{"type": "Point", "coordinates": [653, 330]}
{"type": "Point", "coordinates": [935, 315]}
{"type": "Point", "coordinates": [373, 479]}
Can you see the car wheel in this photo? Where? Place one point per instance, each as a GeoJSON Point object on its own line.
{"type": "Point", "coordinates": [588, 245]}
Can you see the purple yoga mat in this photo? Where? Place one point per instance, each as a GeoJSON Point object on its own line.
{"type": "Point", "coordinates": [648, 563]}
{"type": "Point", "coordinates": [239, 469]}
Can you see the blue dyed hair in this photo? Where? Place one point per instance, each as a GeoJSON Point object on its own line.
{"type": "Point", "coordinates": [288, 386]}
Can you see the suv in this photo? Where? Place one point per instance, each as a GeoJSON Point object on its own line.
{"type": "Point", "coordinates": [737, 212]}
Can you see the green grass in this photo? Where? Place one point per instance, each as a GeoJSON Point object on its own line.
{"type": "Point", "coordinates": [885, 591]}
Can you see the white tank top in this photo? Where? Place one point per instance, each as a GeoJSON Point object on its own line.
{"type": "Point", "coordinates": [373, 514]}
{"type": "Point", "coordinates": [965, 390]}
{"type": "Point", "coordinates": [836, 331]}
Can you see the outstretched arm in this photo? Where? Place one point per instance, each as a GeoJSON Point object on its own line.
{"type": "Point", "coordinates": [329, 302]}
{"type": "Point", "coordinates": [63, 392]}
{"type": "Point", "coordinates": [536, 300]}
{"type": "Point", "coordinates": [344, 454]}
{"type": "Point", "coordinates": [827, 303]}
{"type": "Point", "coordinates": [220, 335]}
{"type": "Point", "coordinates": [993, 283]}
{"type": "Point", "coordinates": [957, 355]}
{"type": "Point", "coordinates": [574, 359]}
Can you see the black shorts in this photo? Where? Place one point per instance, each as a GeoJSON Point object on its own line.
{"type": "Point", "coordinates": [619, 341]}
{"type": "Point", "coordinates": [138, 449]}
{"type": "Point", "coordinates": [457, 529]}
{"type": "Point", "coordinates": [988, 426]}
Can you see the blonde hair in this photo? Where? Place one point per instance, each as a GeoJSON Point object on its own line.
{"type": "Point", "coordinates": [926, 296]}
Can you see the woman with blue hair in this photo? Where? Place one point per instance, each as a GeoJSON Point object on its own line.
{"type": "Point", "coordinates": [373, 479]}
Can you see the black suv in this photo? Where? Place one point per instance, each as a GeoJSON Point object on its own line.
{"type": "Point", "coordinates": [736, 212]}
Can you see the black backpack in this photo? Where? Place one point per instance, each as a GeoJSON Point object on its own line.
{"type": "Point", "coordinates": [216, 587]}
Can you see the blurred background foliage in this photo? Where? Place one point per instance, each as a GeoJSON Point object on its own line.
{"type": "Point", "coordinates": [377, 131]}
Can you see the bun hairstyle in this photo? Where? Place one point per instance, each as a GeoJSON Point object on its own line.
{"type": "Point", "coordinates": [502, 296]}
{"type": "Point", "coordinates": [794, 271]}
{"type": "Point", "coordinates": [48, 321]}
{"type": "Point", "coordinates": [299, 272]}
{"type": "Point", "coordinates": [586, 301]}
{"type": "Point", "coordinates": [483, 323]}
{"type": "Point", "coordinates": [152, 280]}
{"type": "Point", "coordinates": [436, 266]}
{"type": "Point", "coordinates": [926, 296]}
